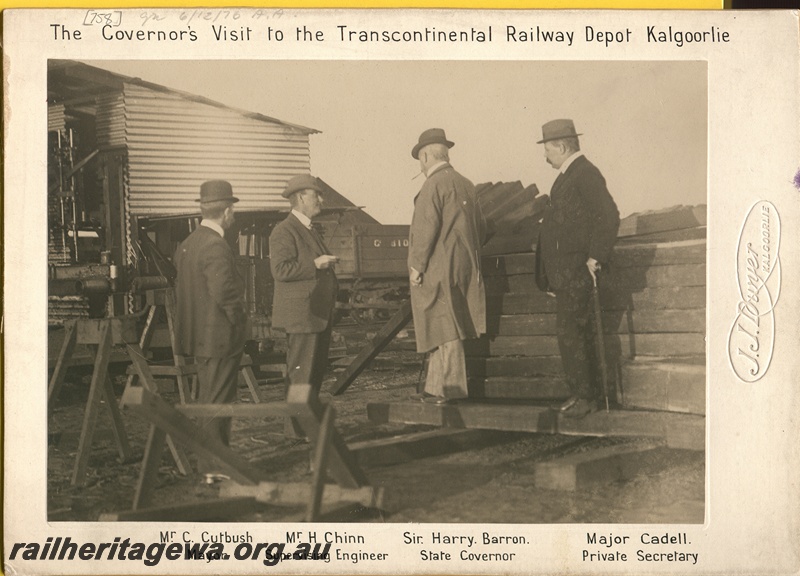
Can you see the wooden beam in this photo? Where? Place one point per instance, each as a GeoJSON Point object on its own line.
{"type": "Point", "coordinates": [410, 447]}
{"type": "Point", "coordinates": [519, 387]}
{"type": "Point", "coordinates": [592, 468]}
{"type": "Point", "coordinates": [305, 406]}
{"type": "Point", "coordinates": [667, 219]}
{"type": "Point", "coordinates": [614, 322]}
{"type": "Point", "coordinates": [155, 410]}
{"type": "Point", "coordinates": [668, 385]}
{"type": "Point", "coordinates": [148, 475]}
{"type": "Point", "coordinates": [320, 459]}
{"type": "Point", "coordinates": [624, 256]}
{"type": "Point", "coordinates": [385, 335]}
{"type": "Point", "coordinates": [514, 365]}
{"type": "Point", "coordinates": [117, 425]}
{"type": "Point", "coordinates": [628, 345]}
{"type": "Point", "coordinates": [207, 510]}
{"type": "Point", "coordinates": [697, 233]}
{"type": "Point", "coordinates": [661, 298]}
{"type": "Point", "coordinates": [529, 418]}
{"type": "Point", "coordinates": [299, 494]}
{"type": "Point", "coordinates": [64, 358]}
{"type": "Point", "coordinates": [261, 410]}
{"type": "Point", "coordinates": [99, 376]}
{"type": "Point", "coordinates": [630, 279]}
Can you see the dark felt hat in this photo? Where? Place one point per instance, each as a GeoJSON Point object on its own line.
{"type": "Point", "coordinates": [430, 136]}
{"type": "Point", "coordinates": [300, 183]}
{"type": "Point", "coordinates": [216, 191]}
{"type": "Point", "coordinates": [558, 129]}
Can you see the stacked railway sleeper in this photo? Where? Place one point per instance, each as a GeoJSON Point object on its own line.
{"type": "Point", "coordinates": [653, 299]}
{"type": "Point", "coordinates": [653, 296]}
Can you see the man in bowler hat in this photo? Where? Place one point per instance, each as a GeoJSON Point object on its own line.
{"type": "Point", "coordinates": [576, 239]}
{"type": "Point", "coordinates": [211, 318]}
{"type": "Point", "coordinates": [305, 288]}
{"type": "Point", "coordinates": [447, 293]}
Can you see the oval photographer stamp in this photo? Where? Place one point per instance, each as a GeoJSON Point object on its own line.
{"type": "Point", "coordinates": [758, 276]}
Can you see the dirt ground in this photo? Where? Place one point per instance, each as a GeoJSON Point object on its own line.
{"type": "Point", "coordinates": [493, 483]}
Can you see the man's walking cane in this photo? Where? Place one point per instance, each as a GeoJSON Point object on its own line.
{"type": "Point", "coordinates": [599, 342]}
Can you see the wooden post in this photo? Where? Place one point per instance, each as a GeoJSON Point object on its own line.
{"type": "Point", "coordinates": [378, 343]}
{"type": "Point", "coordinates": [117, 425]}
{"type": "Point", "coordinates": [60, 371]}
{"type": "Point", "coordinates": [304, 405]}
{"type": "Point", "coordinates": [92, 404]}
{"type": "Point", "coordinates": [180, 361]}
{"type": "Point", "coordinates": [148, 475]}
{"type": "Point", "coordinates": [320, 464]}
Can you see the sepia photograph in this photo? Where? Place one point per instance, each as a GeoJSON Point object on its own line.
{"type": "Point", "coordinates": [402, 291]}
{"type": "Point", "coordinates": [465, 386]}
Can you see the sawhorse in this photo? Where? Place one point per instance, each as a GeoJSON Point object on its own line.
{"type": "Point", "coordinates": [182, 371]}
{"type": "Point", "coordinates": [331, 453]}
{"type": "Point", "coordinates": [102, 334]}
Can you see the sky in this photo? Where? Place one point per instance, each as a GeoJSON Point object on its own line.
{"type": "Point", "coordinates": [644, 124]}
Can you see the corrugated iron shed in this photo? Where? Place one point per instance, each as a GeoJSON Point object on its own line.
{"type": "Point", "coordinates": [175, 140]}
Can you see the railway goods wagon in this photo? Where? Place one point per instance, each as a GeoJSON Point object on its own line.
{"type": "Point", "coordinates": [372, 268]}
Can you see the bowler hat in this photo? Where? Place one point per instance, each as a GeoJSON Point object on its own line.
{"type": "Point", "coordinates": [430, 136]}
{"type": "Point", "coordinates": [558, 129]}
{"type": "Point", "coordinates": [216, 191]}
{"type": "Point", "coordinates": [300, 183]}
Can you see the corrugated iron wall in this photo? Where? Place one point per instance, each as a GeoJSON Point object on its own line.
{"type": "Point", "coordinates": [175, 144]}
{"type": "Point", "coordinates": [55, 118]}
{"type": "Point", "coordinates": [110, 120]}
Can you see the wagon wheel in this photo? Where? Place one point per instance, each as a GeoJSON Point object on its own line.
{"type": "Point", "coordinates": [361, 315]}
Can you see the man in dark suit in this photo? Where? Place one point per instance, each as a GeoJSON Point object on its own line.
{"type": "Point", "coordinates": [578, 232]}
{"type": "Point", "coordinates": [305, 288]}
{"type": "Point", "coordinates": [211, 320]}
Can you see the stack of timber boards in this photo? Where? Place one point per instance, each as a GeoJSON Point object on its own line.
{"type": "Point", "coordinates": [653, 298]}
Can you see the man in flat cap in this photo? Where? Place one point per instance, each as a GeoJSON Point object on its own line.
{"type": "Point", "coordinates": [305, 288]}
{"type": "Point", "coordinates": [211, 320]}
{"type": "Point", "coordinates": [577, 236]}
{"type": "Point", "coordinates": [447, 293]}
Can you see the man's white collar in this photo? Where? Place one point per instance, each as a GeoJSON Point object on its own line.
{"type": "Point", "coordinates": [304, 220]}
{"type": "Point", "coordinates": [434, 168]}
{"type": "Point", "coordinates": [214, 226]}
{"type": "Point", "coordinates": [570, 160]}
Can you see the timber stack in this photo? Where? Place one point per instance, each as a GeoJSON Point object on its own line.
{"type": "Point", "coordinates": [653, 297]}
{"type": "Point", "coordinates": [653, 300]}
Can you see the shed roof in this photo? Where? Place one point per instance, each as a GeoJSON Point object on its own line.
{"type": "Point", "coordinates": [77, 85]}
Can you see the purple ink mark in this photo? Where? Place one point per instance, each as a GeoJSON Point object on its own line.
{"type": "Point", "coordinates": [797, 180]}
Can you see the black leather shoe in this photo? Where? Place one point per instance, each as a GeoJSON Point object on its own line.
{"type": "Point", "coordinates": [211, 478]}
{"type": "Point", "coordinates": [566, 405]}
{"type": "Point", "coordinates": [580, 409]}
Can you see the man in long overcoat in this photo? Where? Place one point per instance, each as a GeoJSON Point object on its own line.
{"type": "Point", "coordinates": [211, 320]}
{"type": "Point", "coordinates": [576, 239]}
{"type": "Point", "coordinates": [447, 293]}
{"type": "Point", "coordinates": [305, 288]}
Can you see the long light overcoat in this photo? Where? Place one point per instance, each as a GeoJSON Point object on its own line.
{"type": "Point", "coordinates": [444, 244]}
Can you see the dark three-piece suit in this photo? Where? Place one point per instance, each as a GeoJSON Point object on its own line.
{"type": "Point", "coordinates": [211, 321]}
{"type": "Point", "coordinates": [580, 222]}
{"type": "Point", "coordinates": [303, 302]}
